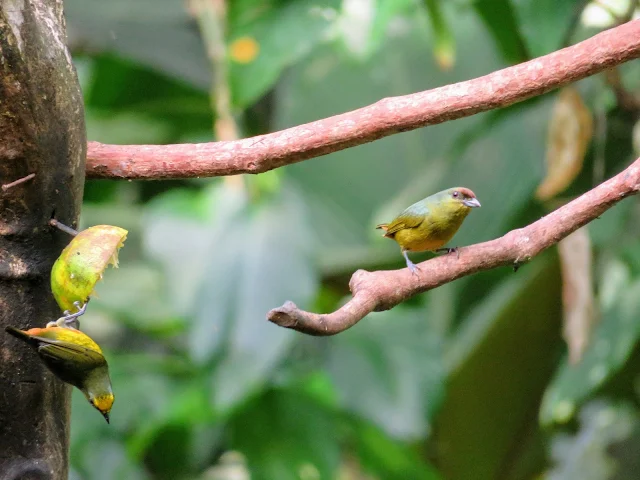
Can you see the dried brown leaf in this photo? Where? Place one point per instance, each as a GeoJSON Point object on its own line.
{"type": "Point", "coordinates": [569, 134]}
{"type": "Point", "coordinates": [577, 292]}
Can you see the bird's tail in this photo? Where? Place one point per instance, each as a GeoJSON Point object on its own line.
{"type": "Point", "coordinates": [19, 334]}
{"type": "Point", "coordinates": [384, 227]}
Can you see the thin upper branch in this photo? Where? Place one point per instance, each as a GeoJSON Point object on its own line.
{"type": "Point", "coordinates": [382, 290]}
{"type": "Point", "coordinates": [383, 118]}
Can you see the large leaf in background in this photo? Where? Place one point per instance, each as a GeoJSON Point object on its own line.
{"type": "Point", "coordinates": [119, 93]}
{"type": "Point", "coordinates": [389, 369]}
{"type": "Point", "coordinates": [157, 33]}
{"type": "Point", "coordinates": [282, 35]}
{"type": "Point", "coordinates": [500, 19]}
{"type": "Point", "coordinates": [500, 362]}
{"type": "Point", "coordinates": [545, 23]}
{"type": "Point", "coordinates": [227, 271]}
{"type": "Point", "coordinates": [587, 455]}
{"type": "Point", "coordinates": [106, 459]}
{"type": "Point", "coordinates": [286, 436]}
{"type": "Point", "coordinates": [385, 458]}
{"type": "Point", "coordinates": [385, 12]}
{"type": "Point", "coordinates": [611, 344]}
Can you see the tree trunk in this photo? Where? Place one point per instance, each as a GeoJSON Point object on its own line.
{"type": "Point", "coordinates": [41, 131]}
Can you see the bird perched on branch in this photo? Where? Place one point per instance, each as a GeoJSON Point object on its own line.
{"type": "Point", "coordinates": [74, 358]}
{"type": "Point", "coordinates": [430, 223]}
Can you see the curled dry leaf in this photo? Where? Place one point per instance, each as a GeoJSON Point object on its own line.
{"type": "Point", "coordinates": [80, 265]}
{"type": "Point", "coordinates": [635, 136]}
{"type": "Point", "coordinates": [568, 137]}
{"type": "Point", "coordinates": [577, 292]}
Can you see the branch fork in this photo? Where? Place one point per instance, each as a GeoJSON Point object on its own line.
{"type": "Point", "coordinates": [383, 290]}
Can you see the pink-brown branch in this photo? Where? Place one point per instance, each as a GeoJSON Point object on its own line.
{"type": "Point", "coordinates": [383, 118]}
{"type": "Point", "coordinates": [382, 290]}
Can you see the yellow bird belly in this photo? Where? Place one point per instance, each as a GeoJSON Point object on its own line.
{"type": "Point", "coordinates": [428, 236]}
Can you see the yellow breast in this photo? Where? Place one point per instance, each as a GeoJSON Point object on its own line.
{"type": "Point", "coordinates": [430, 235]}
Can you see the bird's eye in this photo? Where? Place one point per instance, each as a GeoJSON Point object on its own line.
{"type": "Point", "coordinates": [455, 194]}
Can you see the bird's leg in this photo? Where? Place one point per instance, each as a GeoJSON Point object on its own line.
{"type": "Point", "coordinates": [410, 265]}
{"type": "Point", "coordinates": [71, 319]}
{"type": "Point", "coordinates": [449, 250]}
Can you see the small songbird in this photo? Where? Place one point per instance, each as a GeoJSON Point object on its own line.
{"type": "Point", "coordinates": [430, 223]}
{"type": "Point", "coordinates": [74, 358]}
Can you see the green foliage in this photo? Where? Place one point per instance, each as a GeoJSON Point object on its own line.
{"type": "Point", "coordinates": [284, 33]}
{"type": "Point", "coordinates": [465, 381]}
{"type": "Point", "coordinates": [613, 342]}
{"type": "Point", "coordinates": [390, 371]}
{"type": "Point", "coordinates": [287, 436]}
{"type": "Point", "coordinates": [590, 453]}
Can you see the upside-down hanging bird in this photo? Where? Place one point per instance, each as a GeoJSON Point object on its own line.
{"type": "Point", "coordinates": [429, 224]}
{"type": "Point", "coordinates": [74, 358]}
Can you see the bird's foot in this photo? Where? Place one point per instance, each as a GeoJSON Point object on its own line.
{"type": "Point", "coordinates": [71, 319]}
{"type": "Point", "coordinates": [414, 268]}
{"type": "Point", "coordinates": [410, 265]}
{"type": "Point", "coordinates": [449, 250]}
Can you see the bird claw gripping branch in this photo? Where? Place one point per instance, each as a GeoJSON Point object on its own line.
{"type": "Point", "coordinates": [71, 319]}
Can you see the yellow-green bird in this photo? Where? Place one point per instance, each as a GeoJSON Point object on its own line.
{"type": "Point", "coordinates": [74, 358]}
{"type": "Point", "coordinates": [429, 224]}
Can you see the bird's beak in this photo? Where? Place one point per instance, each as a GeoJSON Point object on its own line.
{"type": "Point", "coordinates": [471, 202]}
{"type": "Point", "coordinates": [106, 416]}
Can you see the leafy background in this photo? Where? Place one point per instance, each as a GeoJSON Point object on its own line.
{"type": "Point", "coordinates": [471, 380]}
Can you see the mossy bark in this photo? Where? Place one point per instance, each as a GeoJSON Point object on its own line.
{"type": "Point", "coordinates": [41, 131]}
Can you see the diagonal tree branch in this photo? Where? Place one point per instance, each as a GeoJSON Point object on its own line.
{"type": "Point", "coordinates": [386, 117]}
{"type": "Point", "coordinates": [382, 290]}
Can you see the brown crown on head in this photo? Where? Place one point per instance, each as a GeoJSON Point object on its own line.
{"type": "Point", "coordinates": [466, 192]}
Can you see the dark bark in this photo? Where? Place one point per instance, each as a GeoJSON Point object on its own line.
{"type": "Point", "coordinates": [42, 131]}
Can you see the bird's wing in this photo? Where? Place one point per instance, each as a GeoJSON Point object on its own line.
{"type": "Point", "coordinates": [412, 217]}
{"type": "Point", "coordinates": [69, 353]}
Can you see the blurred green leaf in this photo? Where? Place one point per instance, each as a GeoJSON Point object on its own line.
{"type": "Point", "coordinates": [611, 344]}
{"type": "Point", "coordinates": [135, 294]}
{"type": "Point", "coordinates": [389, 369]}
{"type": "Point", "coordinates": [168, 454]}
{"type": "Point", "coordinates": [275, 243]}
{"type": "Point", "coordinates": [610, 226]}
{"type": "Point", "coordinates": [386, 458]}
{"type": "Point", "coordinates": [500, 19]}
{"type": "Point", "coordinates": [152, 107]}
{"type": "Point", "coordinates": [106, 459]}
{"type": "Point", "coordinates": [125, 128]}
{"type": "Point", "coordinates": [156, 33]}
{"type": "Point", "coordinates": [385, 14]}
{"type": "Point", "coordinates": [500, 362]}
{"type": "Point", "coordinates": [286, 435]}
{"type": "Point", "coordinates": [221, 272]}
{"type": "Point", "coordinates": [444, 48]}
{"type": "Point", "coordinates": [545, 24]}
{"type": "Point", "coordinates": [586, 455]}
{"type": "Point", "coordinates": [260, 48]}
{"type": "Point", "coordinates": [178, 234]}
